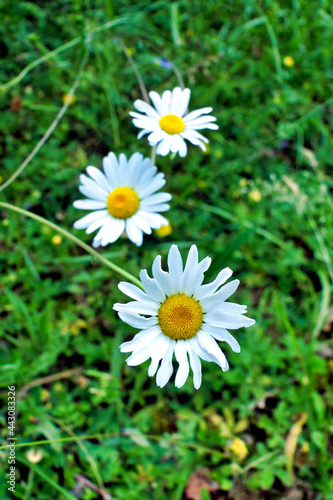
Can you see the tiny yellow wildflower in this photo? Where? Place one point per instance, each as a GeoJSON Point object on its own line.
{"type": "Point", "coordinates": [305, 448]}
{"type": "Point", "coordinates": [65, 98]}
{"type": "Point", "coordinates": [76, 327]}
{"type": "Point", "coordinates": [289, 61]}
{"type": "Point", "coordinates": [34, 456]}
{"type": "Point", "coordinates": [243, 182]}
{"type": "Point", "coordinates": [129, 51]}
{"type": "Point", "coordinates": [255, 195]}
{"type": "Point", "coordinates": [164, 230]}
{"type": "Point", "coordinates": [56, 240]}
{"type": "Point", "coordinates": [239, 448]}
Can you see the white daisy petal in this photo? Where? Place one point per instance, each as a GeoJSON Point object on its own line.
{"type": "Point", "coordinates": [194, 140]}
{"type": "Point", "coordinates": [195, 365]}
{"type": "Point", "coordinates": [141, 224]}
{"type": "Point", "coordinates": [137, 210]}
{"type": "Point", "coordinates": [134, 233]}
{"type": "Point", "coordinates": [165, 371]}
{"type": "Point", "coordinates": [191, 263]}
{"type": "Point", "coordinates": [207, 290]}
{"type": "Point", "coordinates": [214, 303]}
{"type": "Point", "coordinates": [111, 231]}
{"type": "Point", "coordinates": [151, 286]}
{"type": "Point", "coordinates": [89, 204]}
{"type": "Point", "coordinates": [194, 136]}
{"type": "Point", "coordinates": [146, 108]}
{"type": "Point", "coordinates": [202, 120]}
{"type": "Point", "coordinates": [183, 104]}
{"type": "Point", "coordinates": [98, 223]}
{"type": "Point", "coordinates": [164, 146]}
{"type": "Point", "coordinates": [223, 335]}
{"type": "Point", "coordinates": [136, 320]}
{"type": "Point", "coordinates": [177, 94]}
{"type": "Point", "coordinates": [138, 357]}
{"type": "Point", "coordinates": [93, 193]}
{"type": "Point", "coordinates": [150, 188]}
{"type": "Point", "coordinates": [167, 125]}
{"type": "Point", "coordinates": [156, 198]}
{"type": "Point", "coordinates": [175, 265]}
{"type": "Point", "coordinates": [162, 207]}
{"type": "Point", "coordinates": [196, 277]}
{"type": "Point", "coordinates": [185, 317]}
{"type": "Point", "coordinates": [155, 220]}
{"type": "Point", "coordinates": [225, 320]}
{"type": "Point", "coordinates": [99, 178]}
{"type": "Point", "coordinates": [156, 137]}
{"type": "Point", "coordinates": [184, 369]}
{"type": "Point", "coordinates": [182, 148]}
{"type": "Point", "coordinates": [157, 101]}
{"type": "Point", "coordinates": [141, 307]}
{"type": "Point", "coordinates": [166, 101]}
{"type": "Point", "coordinates": [132, 291]}
{"type": "Point", "coordinates": [226, 290]}
{"type": "Point", "coordinates": [209, 344]}
{"type": "Point", "coordinates": [141, 354]}
{"type": "Point", "coordinates": [85, 221]}
{"type": "Point", "coordinates": [141, 340]}
{"type": "Point", "coordinates": [204, 354]}
{"type": "Point", "coordinates": [158, 352]}
{"type": "Point", "coordinates": [195, 114]}
{"type": "Point", "coordinates": [162, 277]}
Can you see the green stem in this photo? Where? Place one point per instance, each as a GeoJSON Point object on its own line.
{"type": "Point", "coordinates": [51, 128]}
{"type": "Point", "coordinates": [153, 155]}
{"type": "Point", "coordinates": [136, 71]}
{"type": "Point", "coordinates": [62, 48]}
{"type": "Point", "coordinates": [76, 240]}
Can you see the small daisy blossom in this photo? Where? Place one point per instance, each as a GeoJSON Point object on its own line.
{"type": "Point", "coordinates": [177, 314]}
{"type": "Point", "coordinates": [167, 123]}
{"type": "Point", "coordinates": [123, 198]}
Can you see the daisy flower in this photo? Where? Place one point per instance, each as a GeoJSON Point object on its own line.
{"type": "Point", "coordinates": [123, 198]}
{"type": "Point", "coordinates": [177, 314]}
{"type": "Point", "coordinates": [168, 124]}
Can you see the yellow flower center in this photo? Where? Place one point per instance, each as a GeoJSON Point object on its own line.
{"type": "Point", "coordinates": [172, 124]}
{"type": "Point", "coordinates": [180, 317]}
{"type": "Point", "coordinates": [123, 202]}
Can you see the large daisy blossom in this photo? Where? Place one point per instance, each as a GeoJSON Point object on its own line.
{"type": "Point", "coordinates": [167, 123]}
{"type": "Point", "coordinates": [177, 314]}
{"type": "Point", "coordinates": [122, 198]}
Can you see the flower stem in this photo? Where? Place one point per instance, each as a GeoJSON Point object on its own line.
{"type": "Point", "coordinates": [52, 126]}
{"type": "Point", "coordinates": [76, 240]}
{"type": "Point", "coordinates": [153, 156]}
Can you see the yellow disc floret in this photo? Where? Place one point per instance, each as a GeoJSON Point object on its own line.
{"type": "Point", "coordinates": [180, 317]}
{"type": "Point", "coordinates": [123, 202]}
{"type": "Point", "coordinates": [172, 124]}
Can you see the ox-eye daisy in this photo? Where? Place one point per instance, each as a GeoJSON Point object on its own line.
{"type": "Point", "coordinates": [168, 124]}
{"type": "Point", "coordinates": [122, 198]}
{"type": "Point", "coordinates": [177, 314]}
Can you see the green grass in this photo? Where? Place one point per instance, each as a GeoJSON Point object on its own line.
{"type": "Point", "coordinates": [56, 301]}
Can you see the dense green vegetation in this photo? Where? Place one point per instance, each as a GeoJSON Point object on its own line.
{"type": "Point", "coordinates": [259, 202]}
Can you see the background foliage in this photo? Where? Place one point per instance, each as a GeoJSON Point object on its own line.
{"type": "Point", "coordinates": [260, 202]}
